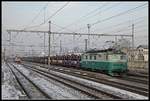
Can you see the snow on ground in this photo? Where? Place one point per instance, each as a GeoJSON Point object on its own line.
{"type": "Point", "coordinates": [9, 90]}
{"type": "Point", "coordinates": [55, 91]}
{"type": "Point", "coordinates": [120, 92]}
{"type": "Point", "coordinates": [116, 91]}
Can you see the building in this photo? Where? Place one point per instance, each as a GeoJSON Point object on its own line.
{"type": "Point", "coordinates": [140, 53]}
{"type": "Point", "coordinates": [143, 52]}
{"type": "Point", "coordinates": [138, 57]}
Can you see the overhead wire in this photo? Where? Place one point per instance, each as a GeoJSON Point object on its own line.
{"type": "Point", "coordinates": [58, 11]}
{"type": "Point", "coordinates": [129, 26]}
{"type": "Point", "coordinates": [84, 16]}
{"type": "Point", "coordinates": [122, 13]}
{"type": "Point", "coordinates": [50, 16]}
{"type": "Point", "coordinates": [115, 5]}
{"type": "Point", "coordinates": [136, 31]}
{"type": "Point", "coordinates": [45, 6]}
{"type": "Point", "coordinates": [61, 27]}
{"type": "Point", "coordinates": [87, 17]}
{"type": "Point", "coordinates": [92, 16]}
{"type": "Point", "coordinates": [122, 23]}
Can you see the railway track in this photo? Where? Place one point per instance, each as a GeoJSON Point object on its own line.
{"type": "Point", "coordinates": [32, 91]}
{"type": "Point", "coordinates": [143, 75]}
{"type": "Point", "coordinates": [122, 84]}
{"type": "Point", "coordinates": [89, 90]}
{"type": "Point", "coordinates": [135, 79]}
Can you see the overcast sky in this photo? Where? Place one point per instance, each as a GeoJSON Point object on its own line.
{"type": "Point", "coordinates": [104, 17]}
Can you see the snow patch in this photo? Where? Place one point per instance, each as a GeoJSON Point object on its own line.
{"type": "Point", "coordinates": [8, 89]}
{"type": "Point", "coordinates": [123, 93]}
{"type": "Point", "coordinates": [53, 90]}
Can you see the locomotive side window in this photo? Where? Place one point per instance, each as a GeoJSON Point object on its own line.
{"type": "Point", "coordinates": [86, 57]}
{"type": "Point", "coordinates": [114, 57]}
{"type": "Point", "coordinates": [106, 56]}
{"type": "Point", "coordinates": [95, 57]}
{"type": "Point", "coordinates": [90, 57]}
{"type": "Point", "coordinates": [122, 57]}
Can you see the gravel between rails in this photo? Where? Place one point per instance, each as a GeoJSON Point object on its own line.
{"type": "Point", "coordinates": [32, 91]}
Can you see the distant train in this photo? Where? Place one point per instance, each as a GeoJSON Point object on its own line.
{"type": "Point", "coordinates": [17, 60]}
{"type": "Point", "coordinates": [110, 61]}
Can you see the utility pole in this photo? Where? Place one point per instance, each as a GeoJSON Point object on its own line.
{"type": "Point", "coordinates": [86, 44]}
{"type": "Point", "coordinates": [10, 42]}
{"type": "Point", "coordinates": [88, 25]}
{"type": "Point", "coordinates": [60, 48]}
{"type": "Point", "coordinates": [73, 43]}
{"type": "Point", "coordinates": [49, 42]}
{"type": "Point", "coordinates": [44, 48]}
{"type": "Point", "coordinates": [53, 44]}
{"type": "Point", "coordinates": [44, 43]}
{"type": "Point", "coordinates": [132, 36]}
{"type": "Point", "coordinates": [133, 40]}
{"type": "Point", "coordinates": [44, 14]}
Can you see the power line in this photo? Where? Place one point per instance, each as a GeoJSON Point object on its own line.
{"type": "Point", "coordinates": [115, 5]}
{"type": "Point", "coordinates": [85, 15]}
{"type": "Point", "coordinates": [81, 20]}
{"type": "Point", "coordinates": [57, 11]}
{"type": "Point", "coordinates": [122, 13]}
{"type": "Point", "coordinates": [24, 45]}
{"type": "Point", "coordinates": [122, 29]}
{"type": "Point", "coordinates": [122, 23]}
{"type": "Point", "coordinates": [142, 30]}
{"type": "Point", "coordinates": [45, 6]}
{"type": "Point", "coordinates": [65, 33]}
{"type": "Point", "coordinates": [61, 27]}
{"type": "Point", "coordinates": [127, 28]}
{"type": "Point", "coordinates": [51, 15]}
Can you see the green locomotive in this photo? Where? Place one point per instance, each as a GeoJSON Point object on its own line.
{"type": "Point", "coordinates": [111, 61]}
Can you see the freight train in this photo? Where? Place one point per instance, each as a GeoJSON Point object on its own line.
{"type": "Point", "coordinates": [109, 61]}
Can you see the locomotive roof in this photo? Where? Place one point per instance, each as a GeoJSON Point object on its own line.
{"type": "Point", "coordinates": [96, 51]}
{"type": "Point", "coordinates": [104, 50]}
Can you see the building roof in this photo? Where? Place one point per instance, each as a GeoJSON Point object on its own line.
{"type": "Point", "coordinates": [143, 46]}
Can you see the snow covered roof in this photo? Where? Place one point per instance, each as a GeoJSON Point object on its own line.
{"type": "Point", "coordinates": [143, 46]}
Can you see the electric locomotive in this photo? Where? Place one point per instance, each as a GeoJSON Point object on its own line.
{"type": "Point", "coordinates": [110, 61]}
